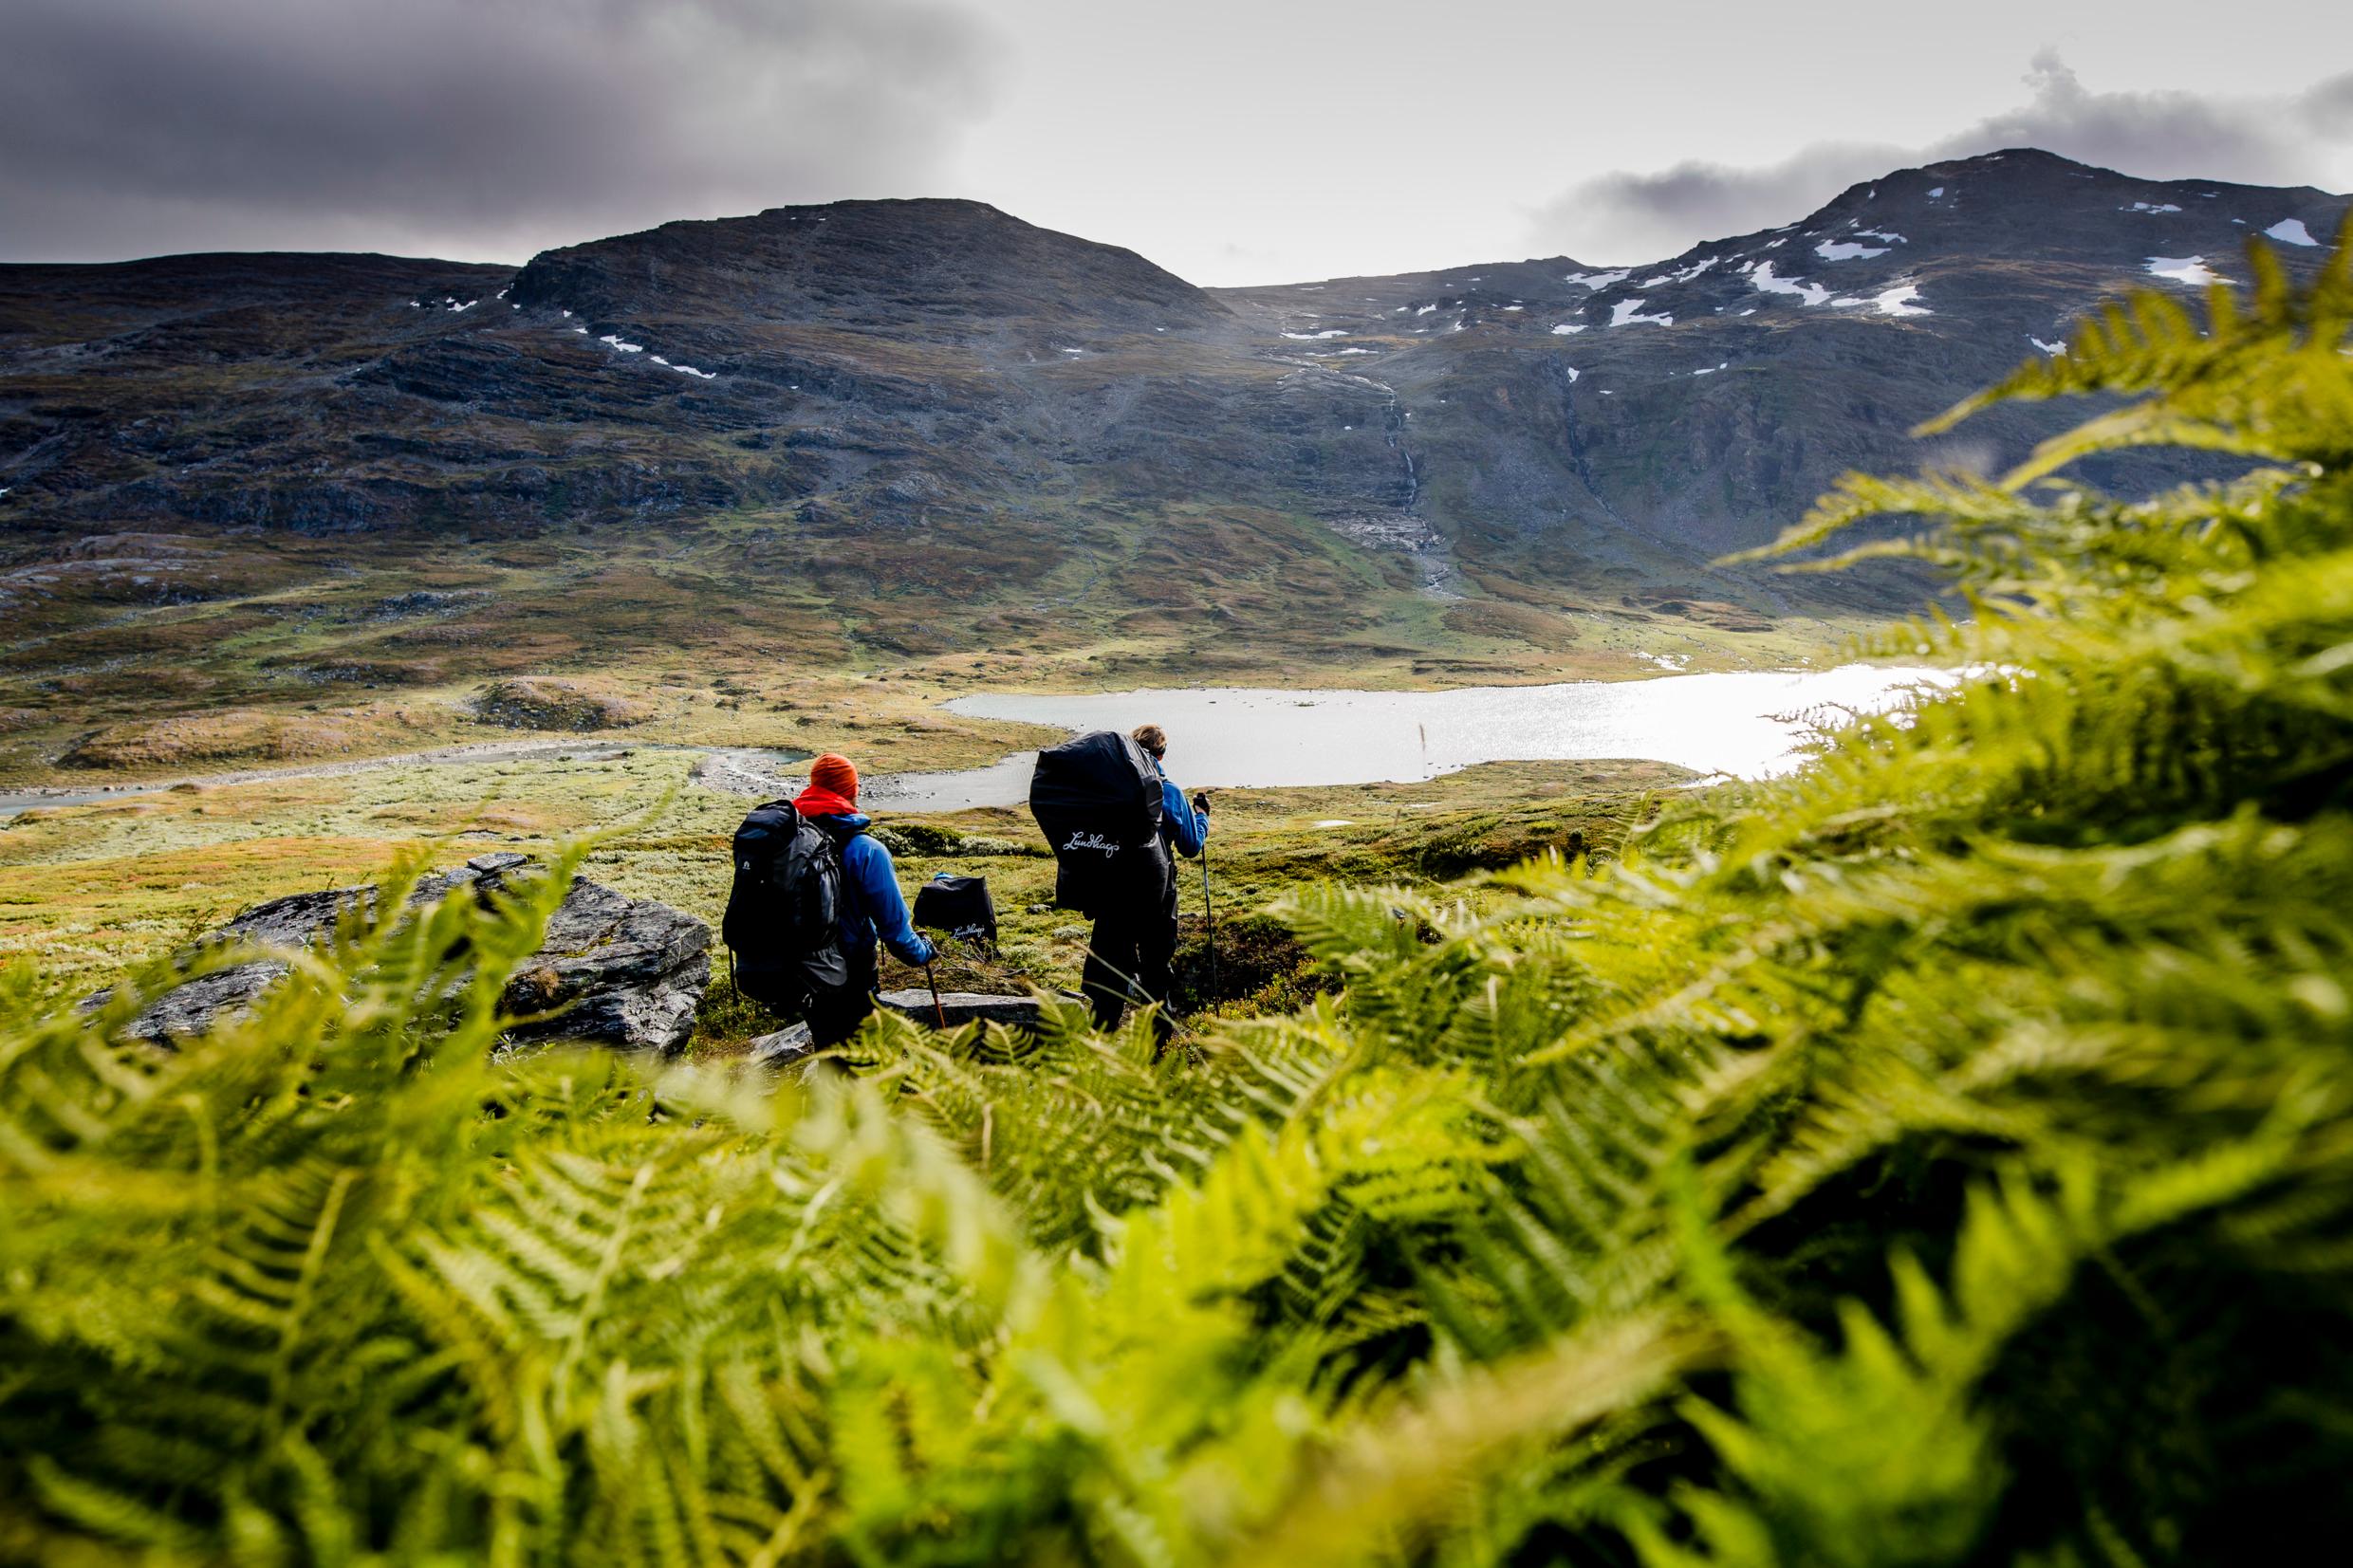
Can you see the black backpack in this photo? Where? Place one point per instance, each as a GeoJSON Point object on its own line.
{"type": "Point", "coordinates": [784, 910]}
{"type": "Point", "coordinates": [959, 905]}
{"type": "Point", "coordinates": [1097, 800]}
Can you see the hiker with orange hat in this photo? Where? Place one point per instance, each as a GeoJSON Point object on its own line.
{"type": "Point", "coordinates": [873, 910]}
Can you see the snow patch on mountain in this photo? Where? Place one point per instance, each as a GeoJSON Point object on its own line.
{"type": "Point", "coordinates": [1812, 293]}
{"type": "Point", "coordinates": [2291, 231]}
{"type": "Point", "coordinates": [1625, 313]}
{"type": "Point", "coordinates": [1597, 280]}
{"type": "Point", "coordinates": [1899, 301]}
{"type": "Point", "coordinates": [2191, 270]}
{"type": "Point", "coordinates": [1847, 251]}
{"type": "Point", "coordinates": [1686, 275]}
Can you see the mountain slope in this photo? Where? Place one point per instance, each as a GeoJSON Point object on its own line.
{"type": "Point", "coordinates": [1705, 399]}
{"type": "Point", "coordinates": [895, 361]}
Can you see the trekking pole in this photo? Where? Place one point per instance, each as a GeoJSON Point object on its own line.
{"type": "Point", "coordinates": [1208, 910]}
{"type": "Point", "coordinates": [938, 1011]}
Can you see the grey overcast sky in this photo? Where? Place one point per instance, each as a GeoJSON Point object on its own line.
{"type": "Point", "coordinates": [1230, 141]}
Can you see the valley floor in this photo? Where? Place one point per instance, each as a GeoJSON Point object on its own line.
{"type": "Point", "coordinates": [87, 890]}
{"type": "Point", "coordinates": [148, 657]}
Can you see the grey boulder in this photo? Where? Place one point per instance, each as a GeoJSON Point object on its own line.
{"type": "Point", "coordinates": [618, 971]}
{"type": "Point", "coordinates": [611, 970]}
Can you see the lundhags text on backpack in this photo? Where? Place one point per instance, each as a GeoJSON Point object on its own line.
{"type": "Point", "coordinates": [1097, 798]}
{"type": "Point", "coordinates": [959, 905]}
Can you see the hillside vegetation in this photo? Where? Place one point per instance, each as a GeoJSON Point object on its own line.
{"type": "Point", "coordinates": [1940, 1157]}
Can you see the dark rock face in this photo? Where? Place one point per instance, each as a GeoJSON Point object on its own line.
{"type": "Point", "coordinates": [614, 971]}
{"type": "Point", "coordinates": [618, 971]}
{"type": "Point", "coordinates": [961, 1007]}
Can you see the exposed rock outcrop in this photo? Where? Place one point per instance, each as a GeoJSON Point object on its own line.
{"type": "Point", "coordinates": [621, 971]}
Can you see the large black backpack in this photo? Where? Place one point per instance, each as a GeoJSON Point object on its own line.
{"type": "Point", "coordinates": [1097, 800]}
{"type": "Point", "coordinates": [784, 910]}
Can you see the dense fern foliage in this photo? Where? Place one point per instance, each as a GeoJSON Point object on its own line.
{"type": "Point", "coordinates": [1943, 1155]}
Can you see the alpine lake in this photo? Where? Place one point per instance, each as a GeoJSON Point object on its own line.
{"type": "Point", "coordinates": [1743, 725]}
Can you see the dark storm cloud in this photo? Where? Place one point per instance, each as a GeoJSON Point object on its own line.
{"type": "Point", "coordinates": [2157, 135]}
{"type": "Point", "coordinates": [484, 128]}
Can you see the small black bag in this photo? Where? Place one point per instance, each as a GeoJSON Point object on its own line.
{"type": "Point", "coordinates": [783, 921]}
{"type": "Point", "coordinates": [1097, 800]}
{"type": "Point", "coordinates": [959, 905]}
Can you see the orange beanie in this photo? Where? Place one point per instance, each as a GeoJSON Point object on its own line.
{"type": "Point", "coordinates": [833, 771]}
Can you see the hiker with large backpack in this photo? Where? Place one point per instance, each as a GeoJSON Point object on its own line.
{"type": "Point", "coordinates": [814, 895]}
{"type": "Point", "coordinates": [1104, 806]}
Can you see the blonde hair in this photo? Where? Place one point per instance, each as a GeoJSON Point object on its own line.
{"type": "Point", "coordinates": [1151, 737]}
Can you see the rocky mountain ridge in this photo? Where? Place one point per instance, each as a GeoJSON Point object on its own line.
{"type": "Point", "coordinates": [968, 405]}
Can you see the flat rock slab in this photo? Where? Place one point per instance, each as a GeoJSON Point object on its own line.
{"type": "Point", "coordinates": [611, 970]}
{"type": "Point", "coordinates": [1014, 1012]}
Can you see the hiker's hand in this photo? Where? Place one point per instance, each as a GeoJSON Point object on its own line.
{"type": "Point", "coordinates": [1200, 804]}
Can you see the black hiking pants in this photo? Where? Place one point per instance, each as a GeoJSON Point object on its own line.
{"type": "Point", "coordinates": [1128, 960]}
{"type": "Point", "coordinates": [834, 1016]}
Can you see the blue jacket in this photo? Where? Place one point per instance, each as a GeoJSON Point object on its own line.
{"type": "Point", "coordinates": [874, 906]}
{"type": "Point", "coordinates": [1180, 824]}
